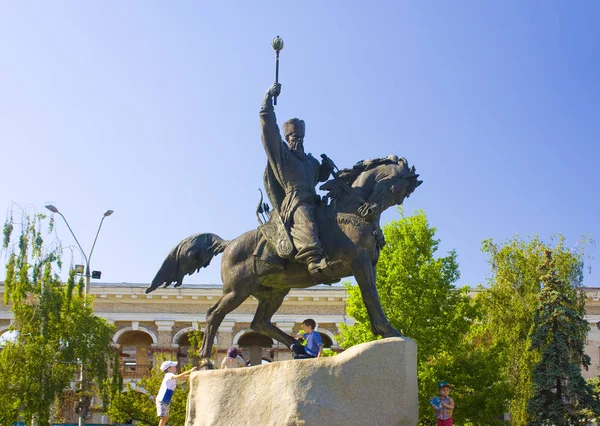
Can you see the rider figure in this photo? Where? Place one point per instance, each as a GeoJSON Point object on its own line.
{"type": "Point", "coordinates": [290, 179]}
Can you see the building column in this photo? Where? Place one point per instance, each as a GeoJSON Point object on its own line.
{"type": "Point", "coordinates": [164, 329]}
{"type": "Point", "coordinates": [255, 355]}
{"type": "Point", "coordinates": [225, 335]}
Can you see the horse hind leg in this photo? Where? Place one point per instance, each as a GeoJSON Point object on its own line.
{"type": "Point", "coordinates": [269, 300]}
{"type": "Point", "coordinates": [214, 316]}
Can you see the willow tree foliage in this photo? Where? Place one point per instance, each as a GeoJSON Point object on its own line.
{"type": "Point", "coordinates": [510, 304]}
{"type": "Point", "coordinates": [55, 329]}
{"type": "Point", "coordinates": [561, 395]}
{"type": "Point", "coordinates": [420, 299]}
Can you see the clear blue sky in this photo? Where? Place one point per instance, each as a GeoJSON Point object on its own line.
{"type": "Point", "coordinates": [151, 109]}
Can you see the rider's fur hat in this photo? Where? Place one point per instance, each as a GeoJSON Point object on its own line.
{"type": "Point", "coordinates": [293, 125]}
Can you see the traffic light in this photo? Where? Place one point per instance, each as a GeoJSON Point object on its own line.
{"type": "Point", "coordinates": [82, 406]}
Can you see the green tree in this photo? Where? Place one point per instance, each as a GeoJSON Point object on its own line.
{"type": "Point", "coordinates": [418, 295]}
{"type": "Point", "coordinates": [561, 395]}
{"type": "Point", "coordinates": [510, 303]}
{"type": "Point", "coordinates": [591, 414]}
{"type": "Point", "coordinates": [55, 328]}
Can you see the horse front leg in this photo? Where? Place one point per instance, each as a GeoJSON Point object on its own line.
{"type": "Point", "coordinates": [214, 316]}
{"type": "Point", "coordinates": [364, 272]}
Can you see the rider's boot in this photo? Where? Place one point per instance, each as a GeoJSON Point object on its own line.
{"type": "Point", "coordinates": [320, 270]}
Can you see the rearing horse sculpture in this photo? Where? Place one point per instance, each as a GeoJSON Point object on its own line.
{"type": "Point", "coordinates": [352, 240]}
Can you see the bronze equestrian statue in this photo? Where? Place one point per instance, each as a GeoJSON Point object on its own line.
{"type": "Point", "coordinates": [305, 240]}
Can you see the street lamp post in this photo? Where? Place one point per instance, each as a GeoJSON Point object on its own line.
{"type": "Point", "coordinates": [83, 408]}
{"type": "Point", "coordinates": [88, 276]}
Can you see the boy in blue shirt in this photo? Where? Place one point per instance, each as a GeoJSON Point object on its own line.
{"type": "Point", "coordinates": [314, 343]}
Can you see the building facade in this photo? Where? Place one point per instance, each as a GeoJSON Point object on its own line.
{"type": "Point", "coordinates": [159, 324]}
{"type": "Point", "coordinates": [592, 343]}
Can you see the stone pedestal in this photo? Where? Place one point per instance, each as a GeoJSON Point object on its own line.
{"type": "Point", "coordinates": [374, 384]}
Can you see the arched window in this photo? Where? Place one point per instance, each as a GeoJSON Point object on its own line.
{"type": "Point", "coordinates": [255, 339]}
{"type": "Point", "coordinates": [327, 343]}
{"type": "Point", "coordinates": [136, 352]}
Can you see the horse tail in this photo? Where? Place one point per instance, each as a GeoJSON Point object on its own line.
{"type": "Point", "coordinates": [187, 257]}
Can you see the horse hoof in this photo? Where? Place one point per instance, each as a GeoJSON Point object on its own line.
{"type": "Point", "coordinates": [391, 332]}
{"type": "Point", "coordinates": [206, 366]}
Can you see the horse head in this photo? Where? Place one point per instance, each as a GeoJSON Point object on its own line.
{"type": "Point", "coordinates": [377, 185]}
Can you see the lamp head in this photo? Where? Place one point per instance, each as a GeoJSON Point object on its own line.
{"type": "Point", "coordinates": [51, 208]}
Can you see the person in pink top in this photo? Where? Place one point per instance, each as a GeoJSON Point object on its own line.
{"type": "Point", "coordinates": [232, 360]}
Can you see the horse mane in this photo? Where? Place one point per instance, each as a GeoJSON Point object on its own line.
{"type": "Point", "coordinates": [350, 175]}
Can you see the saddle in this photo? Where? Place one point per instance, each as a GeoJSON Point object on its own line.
{"type": "Point", "coordinates": [275, 245]}
{"type": "Point", "coordinates": [275, 248]}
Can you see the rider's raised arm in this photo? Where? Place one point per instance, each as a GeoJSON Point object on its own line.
{"type": "Point", "coordinates": [271, 137]}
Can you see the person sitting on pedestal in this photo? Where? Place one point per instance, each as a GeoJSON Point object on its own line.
{"type": "Point", "coordinates": [314, 343]}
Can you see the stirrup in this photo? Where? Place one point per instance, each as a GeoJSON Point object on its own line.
{"type": "Point", "coordinates": [315, 267]}
{"type": "Point", "coordinates": [326, 272]}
